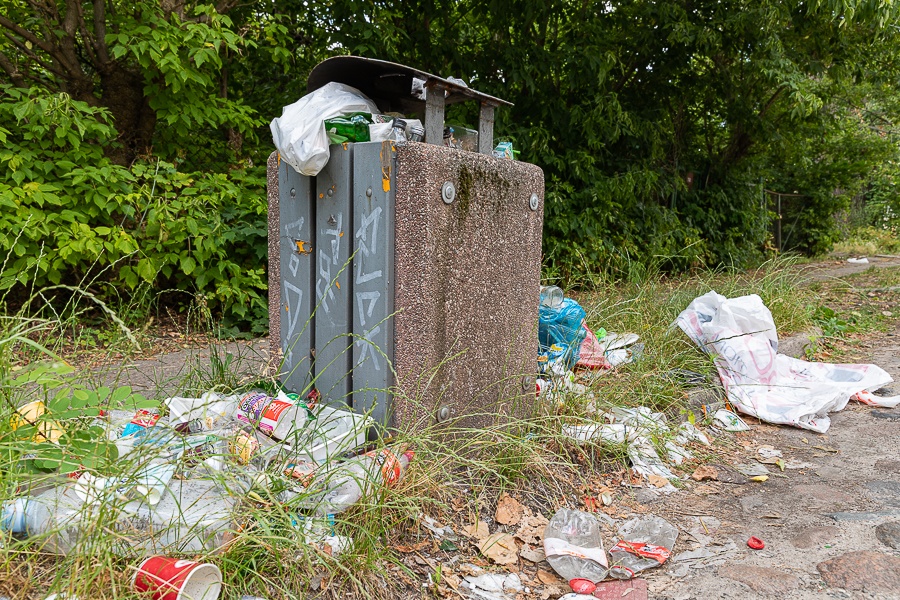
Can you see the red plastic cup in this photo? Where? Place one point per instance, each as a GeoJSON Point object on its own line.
{"type": "Point", "coordinates": [177, 579]}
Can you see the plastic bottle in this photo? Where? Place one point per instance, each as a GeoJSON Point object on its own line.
{"type": "Point", "coordinates": [574, 547]}
{"type": "Point", "coordinates": [337, 489]}
{"type": "Point", "coordinates": [645, 542]}
{"type": "Point", "coordinates": [551, 296]}
{"type": "Point", "coordinates": [276, 417]}
{"type": "Point", "coordinates": [53, 517]}
{"type": "Point", "coordinates": [192, 516]}
{"type": "Point", "coordinates": [349, 128]}
{"type": "Point", "coordinates": [398, 131]}
{"type": "Point", "coordinates": [415, 133]}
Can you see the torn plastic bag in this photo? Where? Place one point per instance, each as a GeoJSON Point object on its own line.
{"type": "Point", "coordinates": [740, 334]}
{"type": "Point", "coordinates": [299, 133]}
{"type": "Point", "coordinates": [562, 326]}
{"type": "Point", "coordinates": [591, 354]}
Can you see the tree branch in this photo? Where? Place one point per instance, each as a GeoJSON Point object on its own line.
{"type": "Point", "coordinates": [90, 46]}
{"type": "Point", "coordinates": [30, 54]}
{"type": "Point", "coordinates": [25, 34]}
{"type": "Point", "coordinates": [100, 31]}
{"type": "Point", "coordinates": [771, 100]}
{"type": "Point", "coordinates": [17, 78]}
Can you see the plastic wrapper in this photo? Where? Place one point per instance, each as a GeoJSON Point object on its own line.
{"type": "Point", "coordinates": [740, 334]}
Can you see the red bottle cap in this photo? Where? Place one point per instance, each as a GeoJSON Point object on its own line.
{"type": "Point", "coordinates": [582, 586]}
{"type": "Point", "coordinates": [756, 543]}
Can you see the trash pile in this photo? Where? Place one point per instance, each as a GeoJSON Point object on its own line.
{"type": "Point", "coordinates": [338, 114]}
{"type": "Point", "coordinates": [740, 335]}
{"type": "Point", "coordinates": [187, 468]}
{"type": "Point", "coordinates": [567, 343]}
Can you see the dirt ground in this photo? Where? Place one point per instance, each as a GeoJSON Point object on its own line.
{"type": "Point", "coordinates": [834, 509]}
{"type": "Point", "coordinates": [830, 521]}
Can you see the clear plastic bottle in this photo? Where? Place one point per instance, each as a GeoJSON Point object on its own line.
{"type": "Point", "coordinates": [276, 417]}
{"type": "Point", "coordinates": [192, 516]}
{"type": "Point", "coordinates": [574, 547]}
{"type": "Point", "coordinates": [551, 296]}
{"type": "Point", "coordinates": [339, 488]}
{"type": "Point", "coordinates": [644, 542]}
{"type": "Point", "coordinates": [53, 518]}
{"type": "Point", "coordinates": [398, 131]}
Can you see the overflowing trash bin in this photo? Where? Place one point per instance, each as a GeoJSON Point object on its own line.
{"type": "Point", "coordinates": [402, 273]}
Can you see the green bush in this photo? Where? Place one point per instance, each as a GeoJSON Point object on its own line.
{"type": "Point", "coordinates": [70, 215]}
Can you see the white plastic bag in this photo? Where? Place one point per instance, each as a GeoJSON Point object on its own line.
{"type": "Point", "coordinates": [740, 334]}
{"type": "Point", "coordinates": [299, 133]}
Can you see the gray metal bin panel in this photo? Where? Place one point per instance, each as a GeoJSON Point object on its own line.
{"type": "Point", "coordinates": [336, 270]}
{"type": "Point", "coordinates": [373, 278]}
{"type": "Point", "coordinates": [295, 244]}
{"type": "Point", "coordinates": [332, 250]}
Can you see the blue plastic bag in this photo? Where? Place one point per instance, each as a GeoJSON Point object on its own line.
{"type": "Point", "coordinates": [564, 327]}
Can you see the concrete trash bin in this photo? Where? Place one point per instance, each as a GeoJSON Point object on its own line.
{"type": "Point", "coordinates": [403, 278]}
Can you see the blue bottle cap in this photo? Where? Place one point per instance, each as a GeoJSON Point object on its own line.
{"type": "Point", "coordinates": [12, 518]}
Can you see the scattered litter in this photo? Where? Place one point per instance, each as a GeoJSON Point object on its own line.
{"type": "Point", "coordinates": [560, 333]}
{"type": "Point", "coordinates": [759, 478]}
{"type": "Point", "coordinates": [592, 354]}
{"type": "Point", "coordinates": [871, 399]}
{"type": "Point", "coordinates": [436, 528]}
{"type": "Point", "coordinates": [632, 589]}
{"type": "Point", "coordinates": [644, 542]}
{"type": "Point", "coordinates": [637, 428]}
{"type": "Point", "coordinates": [611, 433]}
{"type": "Point", "coordinates": [703, 554]}
{"type": "Point", "coordinates": [797, 464]}
{"type": "Point", "coordinates": [858, 261]}
{"type": "Point", "coordinates": [624, 356]}
{"type": "Point", "coordinates": [582, 586]}
{"type": "Point", "coordinates": [574, 547]}
{"type": "Point", "coordinates": [494, 586]}
{"type": "Point", "coordinates": [730, 421]}
{"type": "Point", "coordinates": [740, 334]}
{"type": "Point", "coordinates": [614, 341]}
{"type": "Point", "coordinates": [768, 452]}
{"type": "Point", "coordinates": [756, 543]}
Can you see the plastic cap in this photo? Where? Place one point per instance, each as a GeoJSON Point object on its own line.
{"type": "Point", "coordinates": [12, 518]}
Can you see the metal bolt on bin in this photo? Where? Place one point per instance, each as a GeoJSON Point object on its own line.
{"type": "Point", "coordinates": [403, 278]}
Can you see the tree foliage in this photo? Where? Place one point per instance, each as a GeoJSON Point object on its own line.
{"type": "Point", "coordinates": [658, 124]}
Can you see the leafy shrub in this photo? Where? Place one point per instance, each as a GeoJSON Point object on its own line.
{"type": "Point", "coordinates": [70, 215]}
